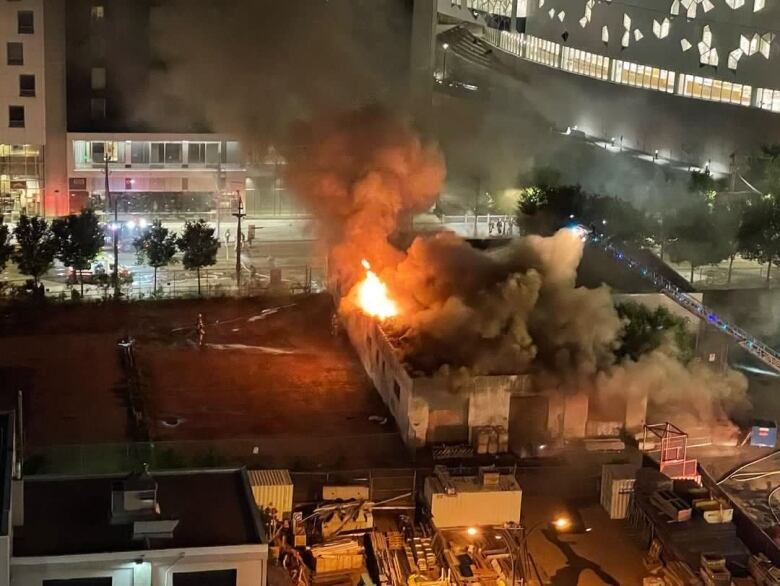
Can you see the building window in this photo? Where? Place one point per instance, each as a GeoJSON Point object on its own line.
{"type": "Point", "coordinates": [767, 99]}
{"type": "Point", "coordinates": [16, 116]}
{"type": "Point", "coordinates": [212, 153]}
{"type": "Point", "coordinates": [25, 22]}
{"type": "Point", "coordinates": [196, 153]}
{"type": "Point", "coordinates": [158, 152]}
{"type": "Point", "coordinates": [706, 88]}
{"type": "Point", "coordinates": [27, 86]}
{"type": "Point", "coordinates": [15, 53]}
{"type": "Point", "coordinates": [644, 76]}
{"type": "Point", "coordinates": [98, 78]}
{"type": "Point", "coordinates": [79, 582]}
{"type": "Point", "coordinates": [139, 153]}
{"type": "Point", "coordinates": [172, 152]}
{"type": "Point", "coordinates": [97, 12]}
{"type": "Point", "coordinates": [97, 108]}
{"type": "Point", "coordinates": [585, 63]}
{"type": "Point", "coordinates": [206, 578]}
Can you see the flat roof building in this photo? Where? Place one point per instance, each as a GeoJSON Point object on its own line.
{"type": "Point", "coordinates": [174, 528]}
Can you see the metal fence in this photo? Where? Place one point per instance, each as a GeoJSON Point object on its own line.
{"type": "Point", "coordinates": [182, 284]}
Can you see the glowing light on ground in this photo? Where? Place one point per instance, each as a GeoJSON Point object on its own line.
{"type": "Point", "coordinates": [372, 296]}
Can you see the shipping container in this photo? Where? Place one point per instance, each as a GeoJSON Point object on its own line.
{"type": "Point", "coordinates": [617, 488]}
{"type": "Point", "coordinates": [345, 493]}
{"type": "Point", "coordinates": [473, 504]}
{"type": "Point", "coordinates": [272, 489]}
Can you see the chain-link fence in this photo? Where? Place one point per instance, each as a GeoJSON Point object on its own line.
{"type": "Point", "coordinates": [179, 284]}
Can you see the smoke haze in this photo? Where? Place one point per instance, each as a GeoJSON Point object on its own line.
{"type": "Point", "coordinates": [512, 310]}
{"type": "Point", "coordinates": [250, 68]}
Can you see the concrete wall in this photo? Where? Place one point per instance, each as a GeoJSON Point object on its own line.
{"type": "Point", "coordinates": [446, 408]}
{"type": "Point", "coordinates": [5, 557]}
{"type": "Point", "coordinates": [145, 568]}
{"type": "Point", "coordinates": [55, 195]}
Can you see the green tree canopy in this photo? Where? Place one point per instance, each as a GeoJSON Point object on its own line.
{"type": "Point", "coordinates": [156, 247]}
{"type": "Point", "coordinates": [544, 209]}
{"type": "Point", "coordinates": [6, 250]}
{"type": "Point", "coordinates": [763, 169]}
{"type": "Point", "coordinates": [694, 235]}
{"type": "Point", "coordinates": [199, 246]}
{"type": "Point", "coordinates": [758, 237]}
{"type": "Point", "coordinates": [80, 239]}
{"type": "Point", "coordinates": [646, 329]}
{"type": "Point", "coordinates": [36, 246]}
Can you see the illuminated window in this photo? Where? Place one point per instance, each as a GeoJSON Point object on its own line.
{"type": "Point", "coordinates": [674, 10]}
{"type": "Point", "coordinates": [768, 99]}
{"type": "Point", "coordinates": [626, 40]}
{"type": "Point", "coordinates": [605, 34]}
{"type": "Point", "coordinates": [661, 28]}
{"type": "Point", "coordinates": [584, 63]}
{"type": "Point", "coordinates": [685, 44]}
{"type": "Point", "coordinates": [734, 4]}
{"type": "Point", "coordinates": [734, 58]}
{"type": "Point", "coordinates": [644, 76]}
{"type": "Point", "coordinates": [638, 36]}
{"type": "Point", "coordinates": [705, 88]}
{"type": "Point", "coordinates": [561, 15]}
{"type": "Point", "coordinates": [759, 5]}
{"type": "Point", "coordinates": [97, 12]}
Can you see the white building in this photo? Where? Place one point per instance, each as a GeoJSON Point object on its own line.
{"type": "Point", "coordinates": [184, 528]}
{"type": "Point", "coordinates": [22, 106]}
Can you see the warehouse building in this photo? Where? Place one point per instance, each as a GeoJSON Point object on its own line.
{"type": "Point", "coordinates": [454, 409]}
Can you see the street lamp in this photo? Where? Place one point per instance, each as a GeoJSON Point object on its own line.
{"type": "Point", "coordinates": [444, 46]}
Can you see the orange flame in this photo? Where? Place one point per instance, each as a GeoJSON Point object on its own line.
{"type": "Point", "coordinates": [372, 296]}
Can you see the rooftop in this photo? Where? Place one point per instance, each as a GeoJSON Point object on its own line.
{"type": "Point", "coordinates": [71, 515]}
{"type": "Point", "coordinates": [506, 483]}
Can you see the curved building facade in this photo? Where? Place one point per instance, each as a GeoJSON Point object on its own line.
{"type": "Point", "coordinates": [717, 50]}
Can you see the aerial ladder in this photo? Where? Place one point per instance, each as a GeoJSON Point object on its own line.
{"type": "Point", "coordinates": [749, 343]}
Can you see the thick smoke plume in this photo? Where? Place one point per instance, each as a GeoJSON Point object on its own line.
{"type": "Point", "coordinates": [249, 68]}
{"type": "Point", "coordinates": [508, 311]}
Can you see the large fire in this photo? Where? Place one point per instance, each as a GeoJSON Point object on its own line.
{"type": "Point", "coordinates": [372, 296]}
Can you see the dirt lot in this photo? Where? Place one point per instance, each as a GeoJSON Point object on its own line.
{"type": "Point", "coordinates": [260, 373]}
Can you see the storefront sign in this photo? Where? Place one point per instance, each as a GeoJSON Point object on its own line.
{"type": "Point", "coordinates": [77, 183]}
{"type": "Point", "coordinates": [18, 184]}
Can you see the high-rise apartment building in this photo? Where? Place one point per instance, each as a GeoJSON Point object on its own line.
{"type": "Point", "coordinates": [22, 107]}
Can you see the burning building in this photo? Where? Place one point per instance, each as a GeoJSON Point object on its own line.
{"type": "Point", "coordinates": [456, 339]}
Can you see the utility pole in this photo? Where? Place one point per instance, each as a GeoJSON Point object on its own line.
{"type": "Point", "coordinates": [115, 227]}
{"type": "Point", "coordinates": [239, 214]}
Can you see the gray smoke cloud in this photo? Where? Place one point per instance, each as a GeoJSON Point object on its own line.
{"type": "Point", "coordinates": [250, 67]}
{"type": "Point", "coordinates": [515, 310]}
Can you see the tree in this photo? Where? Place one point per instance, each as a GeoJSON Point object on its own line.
{"type": "Point", "coordinates": [156, 246]}
{"type": "Point", "coordinates": [6, 250]}
{"type": "Point", "coordinates": [546, 208]}
{"type": "Point", "coordinates": [199, 246]}
{"type": "Point", "coordinates": [36, 247]}
{"type": "Point", "coordinates": [79, 240]}
{"type": "Point", "coordinates": [645, 330]}
{"type": "Point", "coordinates": [758, 237]}
{"type": "Point", "coordinates": [763, 169]}
{"type": "Point", "coordinates": [727, 215]}
{"type": "Point", "coordinates": [693, 236]}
